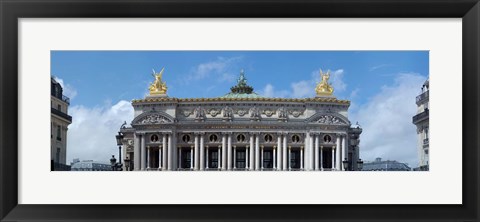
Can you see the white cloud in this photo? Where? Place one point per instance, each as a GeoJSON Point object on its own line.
{"type": "Point", "coordinates": [218, 68]}
{"type": "Point", "coordinates": [373, 68]}
{"type": "Point", "coordinates": [306, 88]}
{"type": "Point", "coordinates": [269, 91]}
{"type": "Point", "coordinates": [303, 89]}
{"type": "Point", "coordinates": [91, 136]}
{"type": "Point", "coordinates": [68, 90]}
{"type": "Point", "coordinates": [386, 120]}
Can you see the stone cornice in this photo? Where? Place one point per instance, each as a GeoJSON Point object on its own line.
{"type": "Point", "coordinates": [292, 100]}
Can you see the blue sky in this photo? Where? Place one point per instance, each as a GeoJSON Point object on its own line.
{"type": "Point", "coordinates": [101, 84]}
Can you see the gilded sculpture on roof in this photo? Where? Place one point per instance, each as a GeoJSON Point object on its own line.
{"type": "Point", "coordinates": [158, 87]}
{"type": "Point", "coordinates": [323, 87]}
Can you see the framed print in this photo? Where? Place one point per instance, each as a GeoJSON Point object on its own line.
{"type": "Point", "coordinates": [256, 151]}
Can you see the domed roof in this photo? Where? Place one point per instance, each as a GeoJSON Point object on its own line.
{"type": "Point", "coordinates": [242, 89]}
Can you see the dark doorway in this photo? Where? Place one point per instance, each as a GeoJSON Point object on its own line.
{"type": "Point", "coordinates": [327, 158]}
{"type": "Point", "coordinates": [295, 159]}
{"type": "Point", "coordinates": [213, 155]}
{"type": "Point", "coordinates": [186, 161]}
{"type": "Point", "coordinates": [240, 159]}
{"type": "Point", "coordinates": [268, 159]}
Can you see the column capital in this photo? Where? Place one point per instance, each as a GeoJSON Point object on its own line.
{"type": "Point", "coordinates": [321, 147]}
{"type": "Point", "coordinates": [301, 147]}
{"type": "Point", "coordinates": [333, 147]}
{"type": "Point", "coordinates": [191, 147]}
{"type": "Point", "coordinates": [206, 146]}
{"type": "Point", "coordinates": [148, 147]}
{"type": "Point", "coordinates": [289, 147]}
{"type": "Point", "coordinates": [234, 146]}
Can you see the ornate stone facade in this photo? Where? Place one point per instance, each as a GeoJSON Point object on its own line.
{"type": "Point", "coordinates": [241, 131]}
{"type": "Point", "coordinates": [421, 120]}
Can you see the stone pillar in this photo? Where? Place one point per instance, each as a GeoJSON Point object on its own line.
{"type": "Point", "coordinates": [279, 152]}
{"type": "Point", "coordinates": [229, 150]}
{"type": "Point", "coordinates": [136, 155]}
{"type": "Point", "coordinates": [234, 157]}
{"type": "Point", "coordinates": [257, 152]}
{"type": "Point", "coordinates": [284, 149]}
{"type": "Point", "coordinates": [247, 157]}
{"type": "Point", "coordinates": [144, 153]}
{"type": "Point", "coordinates": [274, 157]}
{"type": "Point", "coordinates": [333, 158]}
{"type": "Point", "coordinates": [289, 158]}
{"type": "Point", "coordinates": [338, 151]}
{"type": "Point", "coordinates": [344, 151]}
{"type": "Point", "coordinates": [252, 152]}
{"type": "Point", "coordinates": [159, 158]}
{"type": "Point", "coordinates": [224, 151]}
{"type": "Point", "coordinates": [164, 152]}
{"type": "Point", "coordinates": [219, 166]}
{"type": "Point", "coordinates": [191, 158]}
{"type": "Point", "coordinates": [179, 163]}
{"type": "Point", "coordinates": [174, 147]}
{"type": "Point", "coordinates": [148, 157]}
{"type": "Point", "coordinates": [202, 152]}
{"type": "Point", "coordinates": [170, 152]}
{"type": "Point", "coordinates": [301, 158]}
{"type": "Point", "coordinates": [312, 152]}
{"type": "Point", "coordinates": [306, 146]}
{"type": "Point", "coordinates": [316, 152]}
{"type": "Point", "coordinates": [261, 159]}
{"type": "Point", "coordinates": [321, 158]}
{"type": "Point", "coordinates": [196, 163]}
{"type": "Point", "coordinates": [207, 161]}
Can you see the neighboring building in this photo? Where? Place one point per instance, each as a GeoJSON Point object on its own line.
{"type": "Point", "coordinates": [421, 120]}
{"type": "Point", "coordinates": [90, 165]}
{"type": "Point", "coordinates": [59, 126]}
{"type": "Point", "coordinates": [241, 131]}
{"type": "Point", "coordinates": [388, 165]}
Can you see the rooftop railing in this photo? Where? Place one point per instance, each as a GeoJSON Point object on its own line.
{"type": "Point", "coordinates": [422, 97]}
{"type": "Point", "coordinates": [61, 114]}
{"type": "Point", "coordinates": [421, 116]}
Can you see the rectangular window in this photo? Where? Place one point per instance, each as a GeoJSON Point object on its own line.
{"type": "Point", "coordinates": [59, 133]}
{"type": "Point", "coordinates": [240, 159]}
{"type": "Point", "coordinates": [59, 107]}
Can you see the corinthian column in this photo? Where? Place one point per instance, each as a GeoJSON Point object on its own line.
{"type": "Point", "coordinates": [279, 152]}
{"type": "Point", "coordinates": [224, 151]}
{"type": "Point", "coordinates": [229, 150]}
{"type": "Point", "coordinates": [284, 149]}
{"type": "Point", "coordinates": [144, 152]}
{"type": "Point", "coordinates": [257, 152]}
{"type": "Point", "coordinates": [164, 152]}
{"type": "Point", "coordinates": [344, 150]}
{"type": "Point", "coordinates": [196, 153]}
{"type": "Point", "coordinates": [136, 154]}
{"type": "Point", "coordinates": [170, 152]}
{"type": "Point", "coordinates": [338, 152]}
{"type": "Point", "coordinates": [316, 152]}
{"type": "Point", "coordinates": [202, 152]}
{"type": "Point", "coordinates": [252, 153]}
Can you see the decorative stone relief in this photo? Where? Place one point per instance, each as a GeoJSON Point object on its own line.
{"type": "Point", "coordinates": [282, 114]}
{"type": "Point", "coordinates": [199, 113]}
{"type": "Point", "coordinates": [254, 113]}
{"type": "Point", "coordinates": [154, 119]}
{"type": "Point", "coordinates": [241, 112]}
{"type": "Point", "coordinates": [328, 119]}
{"type": "Point", "coordinates": [186, 113]}
{"type": "Point", "coordinates": [268, 112]}
{"type": "Point", "coordinates": [227, 113]}
{"type": "Point", "coordinates": [214, 112]}
{"type": "Point", "coordinates": [296, 113]}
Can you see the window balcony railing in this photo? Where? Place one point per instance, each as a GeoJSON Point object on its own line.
{"type": "Point", "coordinates": [61, 114]}
{"type": "Point", "coordinates": [422, 98]}
{"type": "Point", "coordinates": [66, 99]}
{"type": "Point", "coordinates": [420, 117]}
{"type": "Point", "coordinates": [425, 142]}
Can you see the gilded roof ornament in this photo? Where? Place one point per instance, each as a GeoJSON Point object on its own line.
{"type": "Point", "coordinates": [158, 87]}
{"type": "Point", "coordinates": [323, 87]}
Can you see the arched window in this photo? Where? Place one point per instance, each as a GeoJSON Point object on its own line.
{"type": "Point", "coordinates": [154, 138]}
{"type": "Point", "coordinates": [186, 138]}
{"type": "Point", "coordinates": [295, 138]}
{"type": "Point", "coordinates": [268, 138]}
{"type": "Point", "coordinates": [241, 138]}
{"type": "Point", "coordinates": [327, 139]}
{"type": "Point", "coordinates": [213, 138]}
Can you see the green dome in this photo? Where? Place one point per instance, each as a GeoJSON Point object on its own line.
{"type": "Point", "coordinates": [242, 90]}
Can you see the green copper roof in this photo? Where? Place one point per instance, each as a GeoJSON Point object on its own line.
{"type": "Point", "coordinates": [241, 95]}
{"type": "Point", "coordinates": [242, 89]}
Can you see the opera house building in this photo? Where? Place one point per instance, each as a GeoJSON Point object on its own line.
{"type": "Point", "coordinates": [241, 130]}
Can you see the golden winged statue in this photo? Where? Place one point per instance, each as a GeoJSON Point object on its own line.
{"type": "Point", "coordinates": [158, 87]}
{"type": "Point", "coordinates": [323, 87]}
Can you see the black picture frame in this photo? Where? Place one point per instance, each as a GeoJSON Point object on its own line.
{"type": "Point", "coordinates": [11, 11]}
